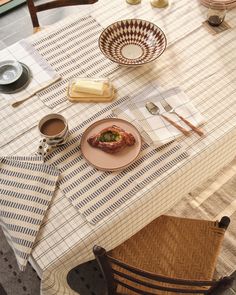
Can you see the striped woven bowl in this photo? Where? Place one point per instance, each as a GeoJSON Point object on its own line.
{"type": "Point", "coordinates": [132, 42]}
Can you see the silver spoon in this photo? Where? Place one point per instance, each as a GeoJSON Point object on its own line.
{"type": "Point", "coordinates": [19, 102]}
{"type": "Point", "coordinates": [154, 110]}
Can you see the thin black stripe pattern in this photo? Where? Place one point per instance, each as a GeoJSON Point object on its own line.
{"type": "Point", "coordinates": [26, 189]}
{"type": "Point", "coordinates": [97, 194]}
{"type": "Point", "coordinates": [64, 48]}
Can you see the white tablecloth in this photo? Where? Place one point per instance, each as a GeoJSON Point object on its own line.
{"type": "Point", "coordinates": [203, 65]}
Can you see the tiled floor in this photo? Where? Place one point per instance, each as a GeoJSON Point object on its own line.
{"type": "Point", "coordinates": [16, 25]}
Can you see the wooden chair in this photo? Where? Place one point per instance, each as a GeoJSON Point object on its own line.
{"type": "Point", "coordinates": [170, 255]}
{"type": "Point", "coordinates": [34, 9]}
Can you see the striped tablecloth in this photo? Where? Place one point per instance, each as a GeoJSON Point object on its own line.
{"type": "Point", "coordinates": [204, 67]}
{"type": "Point", "coordinates": [72, 47]}
{"type": "Point", "coordinates": [73, 51]}
{"type": "Point", "coordinates": [96, 194]}
{"type": "Point", "coordinates": [74, 60]}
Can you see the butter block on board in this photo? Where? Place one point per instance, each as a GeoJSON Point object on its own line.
{"type": "Point", "coordinates": [88, 86]}
{"type": "Point", "coordinates": [74, 95]}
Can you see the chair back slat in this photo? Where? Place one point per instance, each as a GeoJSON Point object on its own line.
{"type": "Point", "coordinates": [34, 9]}
{"type": "Point", "coordinates": [138, 291]}
{"type": "Point", "coordinates": [174, 246]}
{"type": "Point", "coordinates": [61, 3]}
{"type": "Point", "coordinates": [150, 285]}
{"type": "Point", "coordinates": [113, 278]}
{"type": "Point", "coordinates": [159, 278]}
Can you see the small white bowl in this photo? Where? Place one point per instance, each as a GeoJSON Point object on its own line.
{"type": "Point", "coordinates": [132, 42]}
{"type": "Point", "coordinates": [10, 71]}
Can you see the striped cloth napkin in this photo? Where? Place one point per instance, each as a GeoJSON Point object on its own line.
{"type": "Point", "coordinates": [154, 129]}
{"type": "Point", "coordinates": [26, 189]}
{"type": "Point", "coordinates": [42, 74]}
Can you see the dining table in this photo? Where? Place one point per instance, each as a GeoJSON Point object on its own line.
{"type": "Point", "coordinates": [199, 61]}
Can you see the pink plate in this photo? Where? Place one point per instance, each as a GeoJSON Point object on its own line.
{"type": "Point", "coordinates": [105, 161]}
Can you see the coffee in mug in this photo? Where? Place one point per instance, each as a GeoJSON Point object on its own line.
{"type": "Point", "coordinates": [54, 128]}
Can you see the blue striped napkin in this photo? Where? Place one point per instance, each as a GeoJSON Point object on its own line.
{"type": "Point", "coordinates": [26, 189]}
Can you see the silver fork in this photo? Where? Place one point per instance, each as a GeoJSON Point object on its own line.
{"type": "Point", "coordinates": [169, 109]}
{"type": "Point", "coordinates": [155, 110]}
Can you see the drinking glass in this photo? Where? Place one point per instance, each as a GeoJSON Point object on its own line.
{"type": "Point", "coordinates": [159, 3]}
{"type": "Point", "coordinates": [133, 1]}
{"type": "Point", "coordinates": [216, 13]}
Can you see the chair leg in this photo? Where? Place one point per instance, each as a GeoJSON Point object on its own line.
{"type": "Point", "coordinates": [36, 29]}
{"type": "Point", "coordinates": [221, 286]}
{"type": "Point", "coordinates": [101, 257]}
{"type": "Point", "coordinates": [33, 13]}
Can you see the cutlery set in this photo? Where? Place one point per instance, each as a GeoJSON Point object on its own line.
{"type": "Point", "coordinates": [155, 110]}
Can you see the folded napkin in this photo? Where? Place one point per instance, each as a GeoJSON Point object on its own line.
{"type": "Point", "coordinates": [153, 128]}
{"type": "Point", "coordinates": [26, 189]}
{"type": "Point", "coordinates": [42, 74]}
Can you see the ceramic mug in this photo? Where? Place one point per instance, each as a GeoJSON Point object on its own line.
{"type": "Point", "coordinates": [54, 129]}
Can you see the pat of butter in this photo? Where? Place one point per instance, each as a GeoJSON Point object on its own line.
{"type": "Point", "coordinates": [92, 87]}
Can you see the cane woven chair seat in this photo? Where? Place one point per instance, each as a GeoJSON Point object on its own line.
{"type": "Point", "coordinates": [171, 247]}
